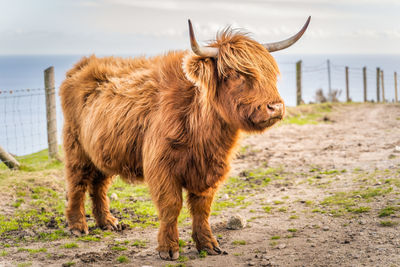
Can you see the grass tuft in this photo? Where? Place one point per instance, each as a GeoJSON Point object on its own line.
{"type": "Point", "coordinates": [122, 259]}
{"type": "Point", "coordinates": [70, 245]}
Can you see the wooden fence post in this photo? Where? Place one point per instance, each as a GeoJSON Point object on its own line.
{"type": "Point", "coordinates": [51, 112]}
{"type": "Point", "coordinates": [378, 75]}
{"type": "Point", "coordinates": [383, 88]}
{"type": "Point", "coordinates": [365, 83]}
{"type": "Point", "coordinates": [298, 83]}
{"type": "Point", "coordinates": [9, 160]}
{"type": "Point", "coordinates": [330, 96]}
{"type": "Point", "coordinates": [395, 88]}
{"type": "Point", "coordinates": [347, 84]}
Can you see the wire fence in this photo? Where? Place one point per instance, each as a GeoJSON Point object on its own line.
{"type": "Point", "coordinates": [23, 120]}
{"type": "Point", "coordinates": [28, 121]}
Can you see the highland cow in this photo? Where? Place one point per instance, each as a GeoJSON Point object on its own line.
{"type": "Point", "coordinates": [171, 121]}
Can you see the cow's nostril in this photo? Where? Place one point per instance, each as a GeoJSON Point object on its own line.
{"type": "Point", "coordinates": [275, 109]}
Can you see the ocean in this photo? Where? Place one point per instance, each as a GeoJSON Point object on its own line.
{"type": "Point", "coordinates": [23, 113]}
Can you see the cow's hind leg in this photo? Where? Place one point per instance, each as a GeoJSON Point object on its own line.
{"type": "Point", "coordinates": [167, 196]}
{"type": "Point", "coordinates": [79, 172]}
{"type": "Point", "coordinates": [200, 207]}
{"type": "Point", "coordinates": [101, 210]}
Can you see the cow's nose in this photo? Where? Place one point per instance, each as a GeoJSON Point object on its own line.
{"type": "Point", "coordinates": [275, 110]}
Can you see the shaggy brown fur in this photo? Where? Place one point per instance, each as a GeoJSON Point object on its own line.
{"type": "Point", "coordinates": [172, 121]}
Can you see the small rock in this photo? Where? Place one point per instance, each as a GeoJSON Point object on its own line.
{"type": "Point", "coordinates": [282, 246]}
{"type": "Point", "coordinates": [114, 197]}
{"type": "Point", "coordinates": [362, 222]}
{"type": "Point", "coordinates": [250, 263]}
{"type": "Point", "coordinates": [236, 222]}
{"type": "Point", "coordinates": [325, 228]}
{"type": "Point", "coordinates": [397, 149]}
{"type": "Point", "coordinates": [224, 197]}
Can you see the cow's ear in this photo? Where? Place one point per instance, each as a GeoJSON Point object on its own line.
{"type": "Point", "coordinates": [202, 72]}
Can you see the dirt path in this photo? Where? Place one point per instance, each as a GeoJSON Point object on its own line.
{"type": "Point", "coordinates": [325, 194]}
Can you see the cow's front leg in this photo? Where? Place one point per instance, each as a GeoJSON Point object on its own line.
{"type": "Point", "coordinates": [200, 207]}
{"type": "Point", "coordinates": [167, 196]}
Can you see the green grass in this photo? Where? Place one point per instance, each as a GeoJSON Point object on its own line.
{"type": "Point", "coordinates": [275, 237]}
{"type": "Point", "coordinates": [236, 187]}
{"type": "Point", "coordinates": [373, 192]}
{"type": "Point", "coordinates": [89, 238]}
{"type": "Point", "coordinates": [122, 259]}
{"type": "Point", "coordinates": [239, 242]}
{"type": "Point", "coordinates": [139, 243]}
{"type": "Point", "coordinates": [24, 264]}
{"type": "Point", "coordinates": [36, 162]}
{"type": "Point", "coordinates": [203, 254]}
{"type": "Point", "coordinates": [360, 209]}
{"type": "Point", "coordinates": [32, 250]}
{"type": "Point", "coordinates": [388, 211]}
{"type": "Point", "coordinates": [70, 245]}
{"type": "Point", "coordinates": [388, 223]}
{"type": "Point", "coordinates": [118, 248]}
{"type": "Point", "coordinates": [283, 209]}
{"type": "Point", "coordinates": [182, 243]}
{"type": "Point", "coordinates": [292, 230]}
{"type": "Point", "coordinates": [341, 203]}
{"type": "Point", "coordinates": [182, 258]}
{"type": "Point", "coordinates": [69, 263]}
{"type": "Point", "coordinates": [267, 209]}
{"type": "Point", "coordinates": [307, 114]}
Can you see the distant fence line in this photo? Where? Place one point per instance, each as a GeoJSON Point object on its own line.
{"type": "Point", "coordinates": [361, 73]}
{"type": "Point", "coordinates": [27, 113]}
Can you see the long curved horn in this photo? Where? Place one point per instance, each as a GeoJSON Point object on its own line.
{"type": "Point", "coordinates": [272, 47]}
{"type": "Point", "coordinates": [202, 51]}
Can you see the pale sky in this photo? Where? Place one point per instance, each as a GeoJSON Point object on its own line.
{"type": "Point", "coordinates": [147, 27]}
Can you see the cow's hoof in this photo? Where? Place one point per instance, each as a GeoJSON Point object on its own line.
{"type": "Point", "coordinates": [112, 227]}
{"type": "Point", "coordinates": [110, 224]}
{"type": "Point", "coordinates": [169, 256]}
{"type": "Point", "coordinates": [214, 251]}
{"type": "Point", "coordinates": [78, 232]}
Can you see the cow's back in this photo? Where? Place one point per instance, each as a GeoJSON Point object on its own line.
{"type": "Point", "coordinates": [107, 104]}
